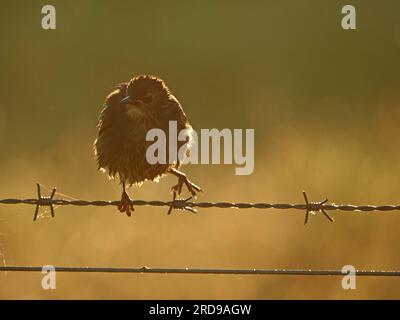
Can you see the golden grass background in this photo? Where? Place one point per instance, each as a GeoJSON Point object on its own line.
{"type": "Point", "coordinates": [324, 103]}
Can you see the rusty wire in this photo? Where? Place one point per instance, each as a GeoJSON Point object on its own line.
{"type": "Point", "coordinates": [186, 204]}
{"type": "Point", "coordinates": [143, 270]}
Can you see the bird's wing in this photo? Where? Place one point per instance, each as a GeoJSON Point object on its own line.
{"type": "Point", "coordinates": [104, 121]}
{"type": "Point", "coordinates": [110, 108]}
{"type": "Point", "coordinates": [176, 112]}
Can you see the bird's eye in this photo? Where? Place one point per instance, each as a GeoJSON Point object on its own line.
{"type": "Point", "coordinates": [147, 99]}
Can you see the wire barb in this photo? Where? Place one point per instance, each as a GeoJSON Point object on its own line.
{"type": "Point", "coordinates": [44, 201]}
{"type": "Point", "coordinates": [181, 204]}
{"type": "Point", "coordinates": [314, 207]}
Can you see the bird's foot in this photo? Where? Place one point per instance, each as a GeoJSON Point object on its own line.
{"type": "Point", "coordinates": [177, 190]}
{"type": "Point", "coordinates": [126, 204]}
{"type": "Point", "coordinates": [183, 180]}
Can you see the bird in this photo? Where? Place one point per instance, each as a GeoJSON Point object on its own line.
{"type": "Point", "coordinates": [129, 112]}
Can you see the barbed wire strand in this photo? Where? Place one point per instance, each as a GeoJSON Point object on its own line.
{"type": "Point", "coordinates": [143, 270]}
{"type": "Point", "coordinates": [186, 204]}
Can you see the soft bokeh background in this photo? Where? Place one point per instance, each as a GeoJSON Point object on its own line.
{"type": "Point", "coordinates": [324, 103]}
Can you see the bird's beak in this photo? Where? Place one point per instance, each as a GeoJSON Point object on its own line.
{"type": "Point", "coordinates": [127, 99]}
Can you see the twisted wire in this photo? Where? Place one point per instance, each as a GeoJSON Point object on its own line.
{"type": "Point", "coordinates": [186, 204]}
{"type": "Point", "coordinates": [204, 205]}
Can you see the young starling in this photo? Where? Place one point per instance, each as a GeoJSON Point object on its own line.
{"type": "Point", "coordinates": [130, 111]}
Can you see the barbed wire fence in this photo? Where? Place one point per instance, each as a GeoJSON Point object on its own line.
{"type": "Point", "coordinates": [309, 207]}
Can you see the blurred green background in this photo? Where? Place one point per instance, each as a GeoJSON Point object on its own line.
{"type": "Point", "coordinates": [324, 103]}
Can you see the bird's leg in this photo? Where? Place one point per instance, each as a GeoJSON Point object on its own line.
{"type": "Point", "coordinates": [126, 202]}
{"type": "Point", "coordinates": [183, 180]}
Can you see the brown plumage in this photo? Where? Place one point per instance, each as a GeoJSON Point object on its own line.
{"type": "Point", "coordinates": [130, 111]}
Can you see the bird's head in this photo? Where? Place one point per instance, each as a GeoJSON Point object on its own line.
{"type": "Point", "coordinates": [146, 92]}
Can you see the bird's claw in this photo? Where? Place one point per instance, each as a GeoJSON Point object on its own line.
{"type": "Point", "coordinates": [126, 204]}
{"type": "Point", "coordinates": [181, 204]}
{"type": "Point", "coordinates": [183, 180]}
